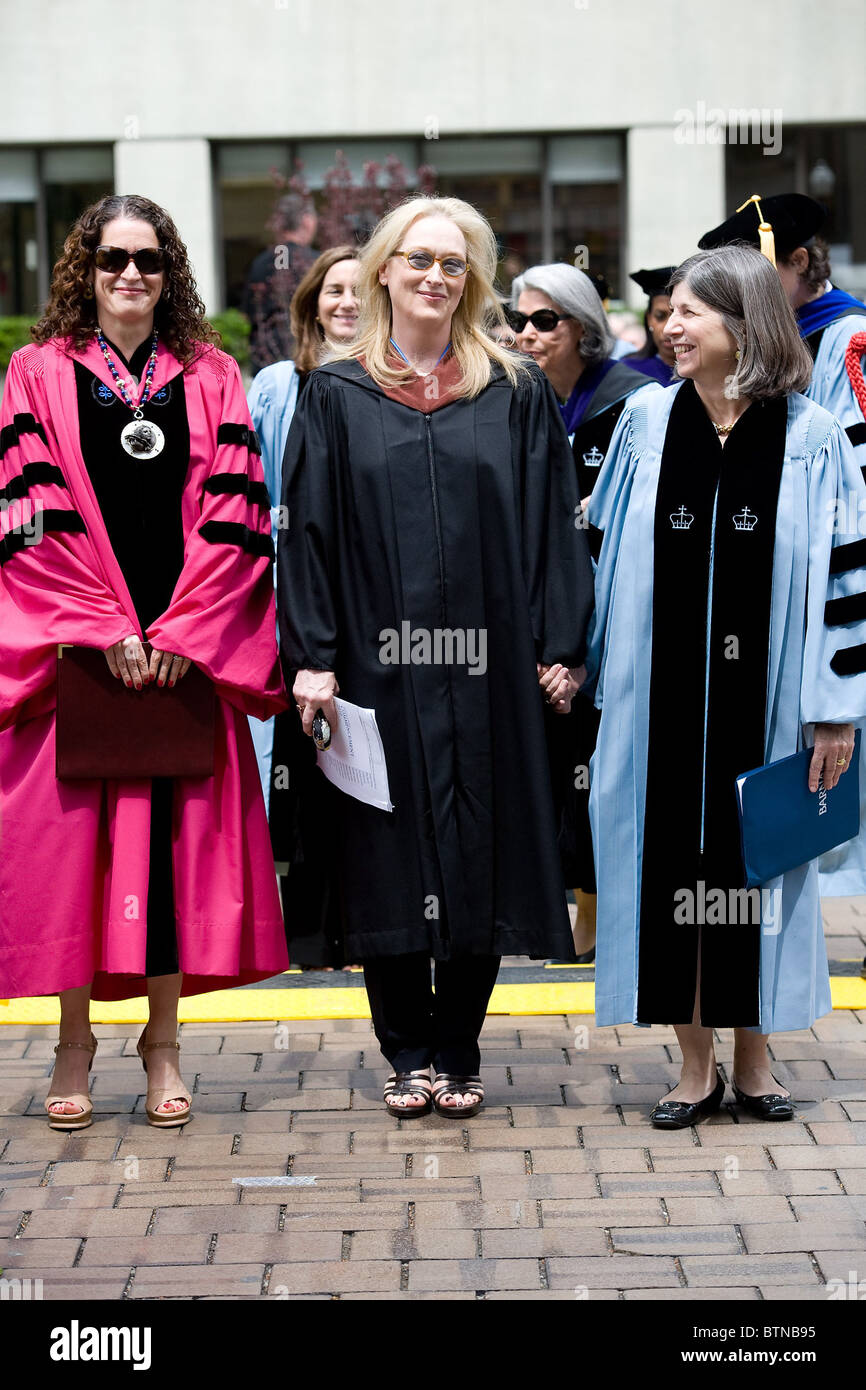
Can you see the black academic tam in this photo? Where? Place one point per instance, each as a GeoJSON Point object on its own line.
{"type": "Point", "coordinates": [430, 560]}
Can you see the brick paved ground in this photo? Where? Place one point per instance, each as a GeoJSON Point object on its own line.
{"type": "Point", "coordinates": [560, 1188]}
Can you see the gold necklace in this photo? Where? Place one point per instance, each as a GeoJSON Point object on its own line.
{"type": "Point", "coordinates": [722, 429]}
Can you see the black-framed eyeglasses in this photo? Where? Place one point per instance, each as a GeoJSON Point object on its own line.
{"type": "Point", "coordinates": [150, 260]}
{"type": "Point", "coordinates": [543, 320]}
{"type": "Point", "coordinates": [454, 266]}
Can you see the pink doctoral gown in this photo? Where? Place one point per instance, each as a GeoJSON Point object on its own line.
{"type": "Point", "coordinates": [74, 855]}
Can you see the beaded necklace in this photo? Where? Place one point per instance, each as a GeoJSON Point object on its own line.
{"type": "Point", "coordinates": [140, 438]}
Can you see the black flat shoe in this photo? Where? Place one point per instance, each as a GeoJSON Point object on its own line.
{"type": "Point", "coordinates": [770, 1107]}
{"type": "Point", "coordinates": [676, 1114]}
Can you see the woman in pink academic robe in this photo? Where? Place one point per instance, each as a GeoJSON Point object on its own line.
{"type": "Point", "coordinates": [132, 508]}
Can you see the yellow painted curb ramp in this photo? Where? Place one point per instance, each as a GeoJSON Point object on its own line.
{"type": "Point", "coordinates": [254, 1005]}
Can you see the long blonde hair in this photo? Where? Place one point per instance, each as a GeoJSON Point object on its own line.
{"type": "Point", "coordinates": [478, 311]}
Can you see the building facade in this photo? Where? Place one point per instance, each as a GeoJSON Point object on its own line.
{"type": "Point", "coordinates": [609, 133]}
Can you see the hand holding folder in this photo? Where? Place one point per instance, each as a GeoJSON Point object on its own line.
{"type": "Point", "coordinates": [783, 824]}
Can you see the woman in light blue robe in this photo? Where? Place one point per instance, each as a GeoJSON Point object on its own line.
{"type": "Point", "coordinates": [842, 871]}
{"type": "Point", "coordinates": [272, 399]}
{"type": "Point", "coordinates": [818, 478]}
{"type": "Point", "coordinates": [324, 310]}
{"type": "Point", "coordinates": [324, 313]}
{"type": "Point", "coordinates": [827, 318]}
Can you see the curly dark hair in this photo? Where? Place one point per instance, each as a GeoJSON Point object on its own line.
{"type": "Point", "coordinates": [71, 310]}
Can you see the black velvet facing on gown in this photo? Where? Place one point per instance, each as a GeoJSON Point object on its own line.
{"type": "Point", "coordinates": [707, 705]}
{"type": "Point", "coordinates": [140, 502]}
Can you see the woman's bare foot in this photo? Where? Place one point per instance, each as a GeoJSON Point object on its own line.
{"type": "Point", "coordinates": [163, 1073]}
{"type": "Point", "coordinates": [71, 1073]}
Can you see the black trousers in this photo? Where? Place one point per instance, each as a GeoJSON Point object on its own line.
{"type": "Point", "coordinates": [415, 1026]}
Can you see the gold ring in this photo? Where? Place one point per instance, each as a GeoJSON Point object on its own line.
{"type": "Point", "coordinates": [840, 762]}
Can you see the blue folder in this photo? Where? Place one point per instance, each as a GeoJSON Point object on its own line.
{"type": "Point", "coordinates": [783, 824]}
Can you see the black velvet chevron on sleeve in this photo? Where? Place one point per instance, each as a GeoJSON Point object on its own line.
{"type": "Point", "coordinates": [238, 484]}
{"type": "Point", "coordinates": [235, 533]}
{"type": "Point", "coordinates": [239, 434]}
{"type": "Point", "coordinates": [849, 661]}
{"type": "Point", "coordinates": [51, 519]}
{"type": "Point", "coordinates": [857, 433]}
{"type": "Point", "coordinates": [31, 475]}
{"type": "Point", "coordinates": [848, 557]}
{"type": "Point", "coordinates": [23, 423]}
{"type": "Point", "coordinates": [849, 609]}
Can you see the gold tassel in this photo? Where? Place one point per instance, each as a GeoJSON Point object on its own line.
{"type": "Point", "coordinates": [765, 230]}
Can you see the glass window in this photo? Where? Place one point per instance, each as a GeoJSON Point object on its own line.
{"type": "Point", "coordinates": [19, 290]}
{"type": "Point", "coordinates": [317, 157]}
{"type": "Point", "coordinates": [19, 191]}
{"type": "Point", "coordinates": [587, 229]}
{"type": "Point", "coordinates": [72, 179]}
{"type": "Point", "coordinates": [41, 195]}
{"type": "Point", "coordinates": [247, 193]}
{"type": "Point", "coordinates": [584, 159]}
{"type": "Point", "coordinates": [514, 155]}
{"type": "Point", "coordinates": [828, 163]}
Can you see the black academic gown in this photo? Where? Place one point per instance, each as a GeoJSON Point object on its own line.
{"type": "Point", "coordinates": [463, 518]}
{"type": "Point", "coordinates": [140, 501]}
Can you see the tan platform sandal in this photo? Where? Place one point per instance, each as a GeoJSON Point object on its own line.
{"type": "Point", "coordinates": [84, 1116]}
{"type": "Point", "coordinates": [154, 1099]}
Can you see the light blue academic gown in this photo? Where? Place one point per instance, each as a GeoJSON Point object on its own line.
{"type": "Point", "coordinates": [819, 468]}
{"type": "Point", "coordinates": [843, 870]}
{"type": "Point", "coordinates": [272, 398]}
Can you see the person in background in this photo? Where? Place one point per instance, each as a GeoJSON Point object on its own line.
{"type": "Point", "coordinates": [656, 358]}
{"type": "Point", "coordinates": [324, 312]}
{"type": "Point", "coordinates": [620, 324]}
{"type": "Point", "coordinates": [560, 322]}
{"type": "Point", "coordinates": [713, 513]}
{"type": "Point", "coordinates": [274, 276]}
{"type": "Point", "coordinates": [832, 324]}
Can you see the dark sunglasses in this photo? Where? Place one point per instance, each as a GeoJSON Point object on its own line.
{"type": "Point", "coordinates": [454, 266]}
{"type": "Point", "coordinates": [544, 320]}
{"type": "Point", "coordinates": [148, 261]}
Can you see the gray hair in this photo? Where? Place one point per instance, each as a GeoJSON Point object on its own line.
{"type": "Point", "coordinates": [744, 288]}
{"type": "Point", "coordinates": [575, 294]}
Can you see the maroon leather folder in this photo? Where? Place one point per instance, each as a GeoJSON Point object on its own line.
{"type": "Point", "coordinates": [107, 730]}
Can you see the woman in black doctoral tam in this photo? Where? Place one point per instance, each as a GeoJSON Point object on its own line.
{"type": "Point", "coordinates": [432, 501]}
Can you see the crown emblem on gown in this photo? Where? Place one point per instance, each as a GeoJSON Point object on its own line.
{"type": "Point", "coordinates": [745, 520]}
{"type": "Point", "coordinates": [681, 520]}
{"type": "Point", "coordinates": [595, 458]}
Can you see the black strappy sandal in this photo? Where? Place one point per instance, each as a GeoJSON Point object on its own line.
{"type": "Point", "coordinates": [408, 1083]}
{"type": "Point", "coordinates": [445, 1085]}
